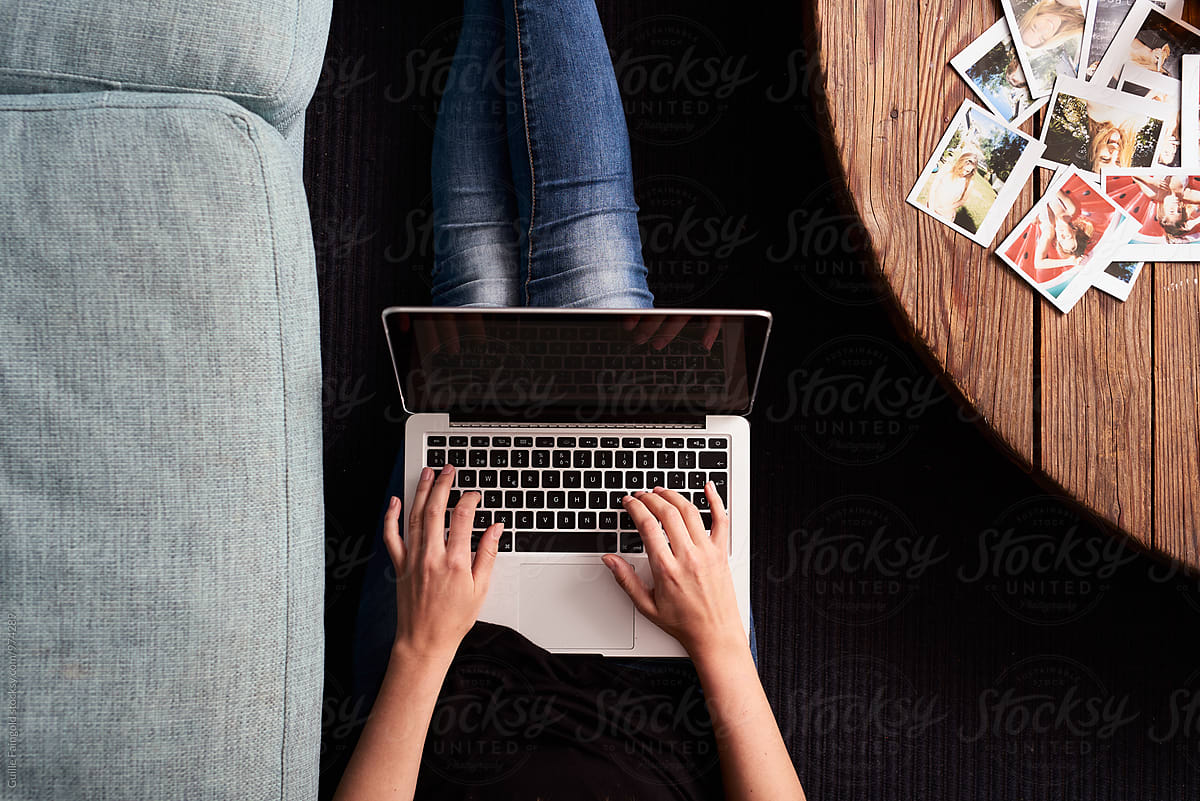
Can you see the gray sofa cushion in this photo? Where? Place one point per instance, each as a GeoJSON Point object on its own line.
{"type": "Point", "coordinates": [161, 531]}
{"type": "Point", "coordinates": [265, 54]}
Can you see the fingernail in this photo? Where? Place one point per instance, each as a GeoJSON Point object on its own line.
{"type": "Point", "coordinates": [625, 499]}
{"type": "Point", "coordinates": [710, 485]}
{"type": "Point", "coordinates": [446, 469]}
{"type": "Point", "coordinates": [392, 503]}
{"type": "Point", "coordinates": [426, 473]}
{"type": "Point", "coordinates": [659, 489]}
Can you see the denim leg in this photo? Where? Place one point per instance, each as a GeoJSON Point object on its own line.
{"type": "Point", "coordinates": [474, 207]}
{"type": "Point", "coordinates": [579, 241]}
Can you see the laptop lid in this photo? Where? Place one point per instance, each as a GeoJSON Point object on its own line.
{"type": "Point", "coordinates": [582, 365]}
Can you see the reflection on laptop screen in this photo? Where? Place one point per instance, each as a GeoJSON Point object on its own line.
{"type": "Point", "coordinates": [586, 364]}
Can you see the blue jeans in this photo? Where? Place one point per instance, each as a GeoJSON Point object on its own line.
{"type": "Point", "coordinates": [532, 181]}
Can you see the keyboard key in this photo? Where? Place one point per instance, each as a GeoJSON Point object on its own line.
{"type": "Point", "coordinates": [458, 442]}
{"type": "Point", "coordinates": [567, 541]}
{"type": "Point", "coordinates": [529, 478]}
{"type": "Point", "coordinates": [479, 442]}
{"type": "Point", "coordinates": [676, 480]}
{"type": "Point", "coordinates": [466, 478]}
{"type": "Point", "coordinates": [556, 499]}
{"type": "Point", "coordinates": [674, 442]}
{"type": "Point", "coordinates": [624, 458]}
{"type": "Point", "coordinates": [696, 480]}
{"type": "Point", "coordinates": [597, 500]}
{"type": "Point", "coordinates": [544, 520]}
{"type": "Point", "coordinates": [721, 482]}
{"type": "Point", "coordinates": [498, 459]}
{"type": "Point", "coordinates": [713, 460]}
{"type": "Point", "coordinates": [477, 459]}
{"type": "Point", "coordinates": [492, 499]}
{"type": "Point", "coordinates": [582, 459]}
{"type": "Point", "coordinates": [523, 442]}
{"type": "Point", "coordinates": [665, 459]}
{"type": "Point", "coordinates": [635, 480]}
{"type": "Point", "coordinates": [572, 479]}
{"type": "Point", "coordinates": [518, 458]}
{"type": "Point", "coordinates": [488, 478]}
{"type": "Point", "coordinates": [604, 459]}
{"type": "Point", "coordinates": [613, 480]}
{"type": "Point", "coordinates": [551, 479]}
{"type": "Point", "coordinates": [457, 458]}
{"type": "Point", "coordinates": [614, 499]}
{"type": "Point", "coordinates": [687, 460]}
{"type": "Point", "coordinates": [655, 478]}
{"type": "Point", "coordinates": [593, 479]}
{"type": "Point", "coordinates": [626, 521]}
{"type": "Point", "coordinates": [695, 442]}
{"type": "Point", "coordinates": [587, 519]}
{"type": "Point", "coordinates": [514, 499]}
{"type": "Point", "coordinates": [523, 520]}
{"type": "Point", "coordinates": [501, 442]}
{"type": "Point", "coordinates": [577, 500]}
{"type": "Point", "coordinates": [644, 459]}
{"type": "Point", "coordinates": [453, 499]}
{"type": "Point", "coordinates": [631, 542]}
{"type": "Point", "coordinates": [435, 458]}
{"type": "Point", "coordinates": [565, 520]}
{"type": "Point", "coordinates": [541, 458]}
{"type": "Point", "coordinates": [652, 442]}
{"type": "Point", "coordinates": [545, 442]}
{"type": "Point", "coordinates": [717, 442]}
{"type": "Point", "coordinates": [706, 519]}
{"type": "Point", "coordinates": [434, 441]}
{"type": "Point", "coordinates": [610, 442]}
{"type": "Point", "coordinates": [510, 479]}
{"type": "Point", "coordinates": [631, 442]}
{"type": "Point", "coordinates": [608, 520]}
{"type": "Point", "coordinates": [588, 442]}
{"type": "Point", "coordinates": [535, 499]}
{"type": "Point", "coordinates": [562, 459]}
{"type": "Point", "coordinates": [700, 499]}
{"type": "Point", "coordinates": [483, 519]}
{"type": "Point", "coordinates": [566, 442]}
{"type": "Point", "coordinates": [505, 545]}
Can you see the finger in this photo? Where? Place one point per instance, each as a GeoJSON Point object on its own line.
{"type": "Point", "coordinates": [720, 523]}
{"type": "Point", "coordinates": [462, 520]}
{"type": "Point", "coordinates": [485, 558]}
{"type": "Point", "coordinates": [391, 533]}
{"type": "Point", "coordinates": [687, 510]}
{"type": "Point", "coordinates": [630, 322]}
{"type": "Point", "coordinates": [447, 333]}
{"type": "Point", "coordinates": [670, 329]}
{"type": "Point", "coordinates": [711, 332]}
{"type": "Point", "coordinates": [646, 328]}
{"type": "Point", "coordinates": [650, 530]}
{"type": "Point", "coordinates": [672, 522]}
{"type": "Point", "coordinates": [434, 516]}
{"type": "Point", "coordinates": [416, 538]}
{"type": "Point", "coordinates": [634, 587]}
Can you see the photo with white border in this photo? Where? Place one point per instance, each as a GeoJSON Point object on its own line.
{"type": "Point", "coordinates": [1165, 203]}
{"type": "Point", "coordinates": [1149, 38]}
{"type": "Point", "coordinates": [991, 68]}
{"type": "Point", "coordinates": [1048, 35]}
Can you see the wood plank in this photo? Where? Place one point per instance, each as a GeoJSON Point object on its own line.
{"type": "Point", "coordinates": [1097, 404]}
{"type": "Point", "coordinates": [1177, 411]}
{"type": "Point", "coordinates": [872, 105]}
{"type": "Point", "coordinates": [975, 314]}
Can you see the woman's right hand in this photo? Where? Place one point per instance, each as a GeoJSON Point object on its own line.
{"type": "Point", "coordinates": [693, 598]}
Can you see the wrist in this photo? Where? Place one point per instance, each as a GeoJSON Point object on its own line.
{"type": "Point", "coordinates": [721, 651]}
{"type": "Point", "coordinates": [418, 661]}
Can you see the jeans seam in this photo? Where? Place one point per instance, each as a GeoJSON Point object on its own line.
{"type": "Point", "coordinates": [528, 146]}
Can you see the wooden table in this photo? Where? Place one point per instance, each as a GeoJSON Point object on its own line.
{"type": "Point", "coordinates": [1103, 402]}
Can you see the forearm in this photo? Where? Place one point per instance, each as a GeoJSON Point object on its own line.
{"type": "Point", "coordinates": [388, 755]}
{"type": "Point", "coordinates": [754, 760]}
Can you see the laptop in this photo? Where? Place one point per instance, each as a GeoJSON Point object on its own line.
{"type": "Point", "coordinates": [553, 415]}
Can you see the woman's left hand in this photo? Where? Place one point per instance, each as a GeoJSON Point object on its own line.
{"type": "Point", "coordinates": [439, 587]}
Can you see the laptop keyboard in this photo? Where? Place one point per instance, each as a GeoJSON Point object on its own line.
{"type": "Point", "coordinates": [563, 493]}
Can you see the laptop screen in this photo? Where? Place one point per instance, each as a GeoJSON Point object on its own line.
{"type": "Point", "coordinates": [580, 365]}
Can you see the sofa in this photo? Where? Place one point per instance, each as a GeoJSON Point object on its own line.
{"type": "Point", "coordinates": [161, 518]}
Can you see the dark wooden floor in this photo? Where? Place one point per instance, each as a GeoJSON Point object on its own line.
{"type": "Point", "coordinates": [930, 624]}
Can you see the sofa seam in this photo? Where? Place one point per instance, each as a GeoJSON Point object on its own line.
{"type": "Point", "coordinates": [251, 136]}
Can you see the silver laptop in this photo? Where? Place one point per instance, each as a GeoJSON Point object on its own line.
{"type": "Point", "coordinates": [553, 415]}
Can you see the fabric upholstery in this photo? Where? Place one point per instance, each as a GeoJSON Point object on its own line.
{"type": "Point", "coordinates": [161, 527]}
{"type": "Point", "coordinates": [265, 54]}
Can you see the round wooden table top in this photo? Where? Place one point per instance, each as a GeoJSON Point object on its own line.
{"type": "Point", "coordinates": [1104, 401]}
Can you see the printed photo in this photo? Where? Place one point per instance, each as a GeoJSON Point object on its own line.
{"type": "Point", "coordinates": [1091, 127]}
{"type": "Point", "coordinates": [1165, 205]}
{"type": "Point", "coordinates": [1104, 18]}
{"type": "Point", "coordinates": [976, 173]}
{"type": "Point", "coordinates": [1048, 35]}
{"type": "Point", "coordinates": [1189, 120]}
{"type": "Point", "coordinates": [1151, 39]}
{"type": "Point", "coordinates": [1117, 278]}
{"type": "Point", "coordinates": [992, 69]}
{"type": "Point", "coordinates": [1161, 89]}
{"type": "Point", "coordinates": [1068, 236]}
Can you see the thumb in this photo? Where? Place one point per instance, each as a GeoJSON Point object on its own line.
{"type": "Point", "coordinates": [485, 558]}
{"type": "Point", "coordinates": [634, 587]}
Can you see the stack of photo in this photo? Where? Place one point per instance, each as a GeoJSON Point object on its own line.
{"type": "Point", "coordinates": [1117, 86]}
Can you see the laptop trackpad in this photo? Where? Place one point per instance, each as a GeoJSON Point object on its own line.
{"type": "Point", "coordinates": [574, 606]}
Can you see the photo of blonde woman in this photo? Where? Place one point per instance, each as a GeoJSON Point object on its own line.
{"type": "Point", "coordinates": [1048, 35]}
{"type": "Point", "coordinates": [950, 186]}
{"type": "Point", "coordinates": [1049, 22]}
{"type": "Point", "coordinates": [1095, 128]}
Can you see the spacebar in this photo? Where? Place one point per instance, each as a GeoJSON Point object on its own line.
{"type": "Point", "coordinates": [567, 541]}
